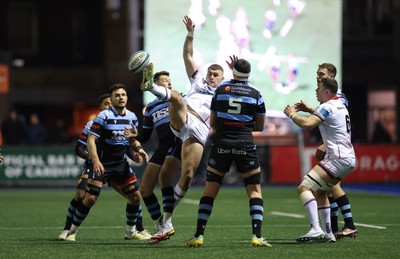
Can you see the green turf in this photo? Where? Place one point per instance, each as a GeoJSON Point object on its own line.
{"type": "Point", "coordinates": [30, 221]}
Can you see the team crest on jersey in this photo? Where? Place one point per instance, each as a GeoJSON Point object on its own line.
{"type": "Point", "coordinates": [212, 162]}
{"type": "Point", "coordinates": [95, 126]}
{"type": "Point", "coordinates": [227, 88]}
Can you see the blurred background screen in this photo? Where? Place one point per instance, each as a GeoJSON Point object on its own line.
{"type": "Point", "coordinates": [284, 41]}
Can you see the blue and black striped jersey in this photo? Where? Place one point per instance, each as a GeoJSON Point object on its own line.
{"type": "Point", "coordinates": [236, 104]}
{"type": "Point", "coordinates": [109, 127]}
{"type": "Point", "coordinates": [157, 116]}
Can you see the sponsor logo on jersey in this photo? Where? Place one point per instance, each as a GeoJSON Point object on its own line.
{"type": "Point", "coordinates": [232, 151]}
{"type": "Point", "coordinates": [160, 114]}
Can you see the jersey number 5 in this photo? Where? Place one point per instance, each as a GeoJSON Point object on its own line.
{"type": "Point", "coordinates": [235, 104]}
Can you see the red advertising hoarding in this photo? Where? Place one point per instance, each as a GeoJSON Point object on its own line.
{"type": "Point", "coordinates": [375, 164]}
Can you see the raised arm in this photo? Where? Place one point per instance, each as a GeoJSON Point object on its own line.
{"type": "Point", "coordinates": [232, 61]}
{"type": "Point", "coordinates": [303, 122]}
{"type": "Point", "coordinates": [188, 59]}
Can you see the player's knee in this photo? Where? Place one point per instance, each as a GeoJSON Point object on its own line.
{"type": "Point", "coordinates": [82, 185]}
{"type": "Point", "coordinates": [306, 196]}
{"type": "Point", "coordinates": [211, 177]}
{"type": "Point", "coordinates": [144, 190]}
{"type": "Point", "coordinates": [132, 187]}
{"type": "Point", "coordinates": [301, 188]}
{"type": "Point", "coordinates": [175, 96]}
{"type": "Point", "coordinates": [93, 190]}
{"type": "Point", "coordinates": [79, 195]}
{"type": "Point", "coordinates": [134, 198]}
{"type": "Point", "coordinates": [252, 179]}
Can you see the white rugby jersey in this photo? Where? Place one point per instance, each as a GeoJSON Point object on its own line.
{"type": "Point", "coordinates": [335, 128]}
{"type": "Point", "coordinates": [199, 97]}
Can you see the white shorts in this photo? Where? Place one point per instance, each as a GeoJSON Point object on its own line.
{"type": "Point", "coordinates": [338, 168]}
{"type": "Point", "coordinates": [193, 128]}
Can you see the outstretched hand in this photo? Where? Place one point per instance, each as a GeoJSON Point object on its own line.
{"type": "Point", "coordinates": [131, 133]}
{"type": "Point", "coordinates": [232, 61]}
{"type": "Point", "coordinates": [302, 106]}
{"type": "Point", "coordinates": [189, 23]}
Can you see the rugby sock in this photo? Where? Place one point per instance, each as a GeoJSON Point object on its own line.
{"type": "Point", "coordinates": [153, 206]}
{"type": "Point", "coordinates": [345, 209]}
{"type": "Point", "coordinates": [73, 229]}
{"type": "Point", "coordinates": [132, 212]}
{"type": "Point", "coordinates": [168, 202]}
{"type": "Point", "coordinates": [256, 213]}
{"type": "Point", "coordinates": [71, 213]}
{"type": "Point", "coordinates": [334, 214]}
{"type": "Point", "coordinates": [139, 221]}
{"type": "Point", "coordinates": [80, 214]}
{"type": "Point", "coordinates": [204, 212]}
{"type": "Point", "coordinates": [161, 92]}
{"type": "Point", "coordinates": [324, 213]}
{"type": "Point", "coordinates": [310, 204]}
{"type": "Point", "coordinates": [178, 194]}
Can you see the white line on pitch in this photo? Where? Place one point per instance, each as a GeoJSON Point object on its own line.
{"type": "Point", "coordinates": [368, 225]}
{"type": "Point", "coordinates": [191, 201]}
{"type": "Point", "coordinates": [291, 215]}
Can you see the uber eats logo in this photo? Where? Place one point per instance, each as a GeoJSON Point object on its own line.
{"type": "Point", "coordinates": [232, 151]}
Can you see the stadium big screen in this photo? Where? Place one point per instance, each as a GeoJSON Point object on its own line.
{"type": "Point", "coordinates": [284, 40]}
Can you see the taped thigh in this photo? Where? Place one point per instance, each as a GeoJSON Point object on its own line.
{"type": "Point", "coordinates": [314, 182]}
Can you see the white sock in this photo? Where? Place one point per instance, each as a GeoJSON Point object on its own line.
{"type": "Point", "coordinates": [130, 228]}
{"type": "Point", "coordinates": [310, 204]}
{"type": "Point", "coordinates": [325, 217]}
{"type": "Point", "coordinates": [167, 220]}
{"type": "Point", "coordinates": [178, 194]}
{"type": "Point", "coordinates": [161, 92]}
{"type": "Point", "coordinates": [73, 229]}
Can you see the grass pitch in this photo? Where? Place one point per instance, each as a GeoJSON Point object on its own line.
{"type": "Point", "coordinates": [31, 220]}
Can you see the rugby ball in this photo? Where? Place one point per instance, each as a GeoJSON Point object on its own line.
{"type": "Point", "coordinates": [138, 61]}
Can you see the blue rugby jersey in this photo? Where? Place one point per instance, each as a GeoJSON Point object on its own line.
{"type": "Point", "coordinates": [157, 116]}
{"type": "Point", "coordinates": [85, 132]}
{"type": "Point", "coordinates": [236, 103]}
{"type": "Point", "coordinates": [109, 127]}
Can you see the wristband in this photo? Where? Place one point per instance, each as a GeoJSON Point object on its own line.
{"type": "Point", "coordinates": [137, 148]}
{"type": "Point", "coordinates": [190, 34]}
{"type": "Point", "coordinates": [292, 115]}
